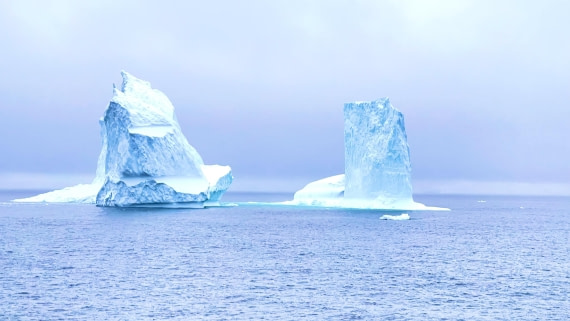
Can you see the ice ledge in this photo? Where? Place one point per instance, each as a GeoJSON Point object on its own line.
{"type": "Point", "coordinates": [363, 205]}
{"type": "Point", "coordinates": [151, 131]}
{"type": "Point", "coordinates": [329, 193]}
{"type": "Point", "coordinates": [176, 191]}
{"type": "Point", "coordinates": [82, 193]}
{"type": "Point", "coordinates": [340, 204]}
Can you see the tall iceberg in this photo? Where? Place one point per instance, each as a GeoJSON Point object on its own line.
{"type": "Point", "coordinates": [145, 159]}
{"type": "Point", "coordinates": [377, 163]}
{"type": "Point", "coordinates": [376, 153]}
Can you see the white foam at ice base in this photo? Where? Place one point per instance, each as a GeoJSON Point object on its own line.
{"type": "Point", "coordinates": [401, 217]}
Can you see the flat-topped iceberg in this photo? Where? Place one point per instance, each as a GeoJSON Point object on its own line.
{"type": "Point", "coordinates": [377, 163]}
{"type": "Point", "coordinates": [145, 159]}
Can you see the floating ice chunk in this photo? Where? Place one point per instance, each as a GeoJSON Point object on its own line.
{"type": "Point", "coordinates": [401, 217]}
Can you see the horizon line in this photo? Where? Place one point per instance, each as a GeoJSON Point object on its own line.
{"type": "Point", "coordinates": [27, 181]}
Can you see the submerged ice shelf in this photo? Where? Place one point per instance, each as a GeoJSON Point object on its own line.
{"type": "Point", "coordinates": [145, 159]}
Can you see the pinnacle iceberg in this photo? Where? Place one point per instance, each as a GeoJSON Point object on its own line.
{"type": "Point", "coordinates": [377, 163]}
{"type": "Point", "coordinates": [145, 159]}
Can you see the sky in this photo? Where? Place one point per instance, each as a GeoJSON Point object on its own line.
{"type": "Point", "coordinates": [484, 85]}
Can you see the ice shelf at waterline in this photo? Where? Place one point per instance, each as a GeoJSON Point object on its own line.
{"type": "Point", "coordinates": [377, 163]}
{"type": "Point", "coordinates": [145, 159]}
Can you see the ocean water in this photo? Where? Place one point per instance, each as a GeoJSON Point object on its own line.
{"type": "Point", "coordinates": [507, 258]}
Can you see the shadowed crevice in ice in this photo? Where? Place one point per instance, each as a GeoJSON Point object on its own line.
{"type": "Point", "coordinates": [145, 159]}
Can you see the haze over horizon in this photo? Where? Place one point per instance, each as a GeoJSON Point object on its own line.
{"type": "Point", "coordinates": [260, 86]}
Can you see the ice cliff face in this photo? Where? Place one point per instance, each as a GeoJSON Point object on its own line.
{"type": "Point", "coordinates": [377, 163]}
{"type": "Point", "coordinates": [142, 138]}
{"type": "Point", "coordinates": [145, 159]}
{"type": "Point", "coordinates": [376, 152]}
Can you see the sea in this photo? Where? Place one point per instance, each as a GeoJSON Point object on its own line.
{"type": "Point", "coordinates": [489, 258]}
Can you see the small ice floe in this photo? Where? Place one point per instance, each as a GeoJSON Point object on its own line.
{"type": "Point", "coordinates": [401, 217]}
{"type": "Point", "coordinates": [481, 201]}
{"type": "Point", "coordinates": [522, 207]}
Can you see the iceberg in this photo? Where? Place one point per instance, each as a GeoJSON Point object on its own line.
{"type": "Point", "coordinates": [401, 217]}
{"type": "Point", "coordinates": [377, 163]}
{"type": "Point", "coordinates": [376, 153]}
{"type": "Point", "coordinates": [145, 159]}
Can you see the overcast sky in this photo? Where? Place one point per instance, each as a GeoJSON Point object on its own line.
{"type": "Point", "coordinates": [484, 85]}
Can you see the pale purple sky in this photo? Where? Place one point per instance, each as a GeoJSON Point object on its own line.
{"type": "Point", "coordinates": [259, 85]}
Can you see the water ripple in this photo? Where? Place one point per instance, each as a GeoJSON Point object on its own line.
{"type": "Point", "coordinates": [482, 261]}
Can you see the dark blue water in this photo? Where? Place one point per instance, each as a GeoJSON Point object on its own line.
{"type": "Point", "coordinates": [505, 259]}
